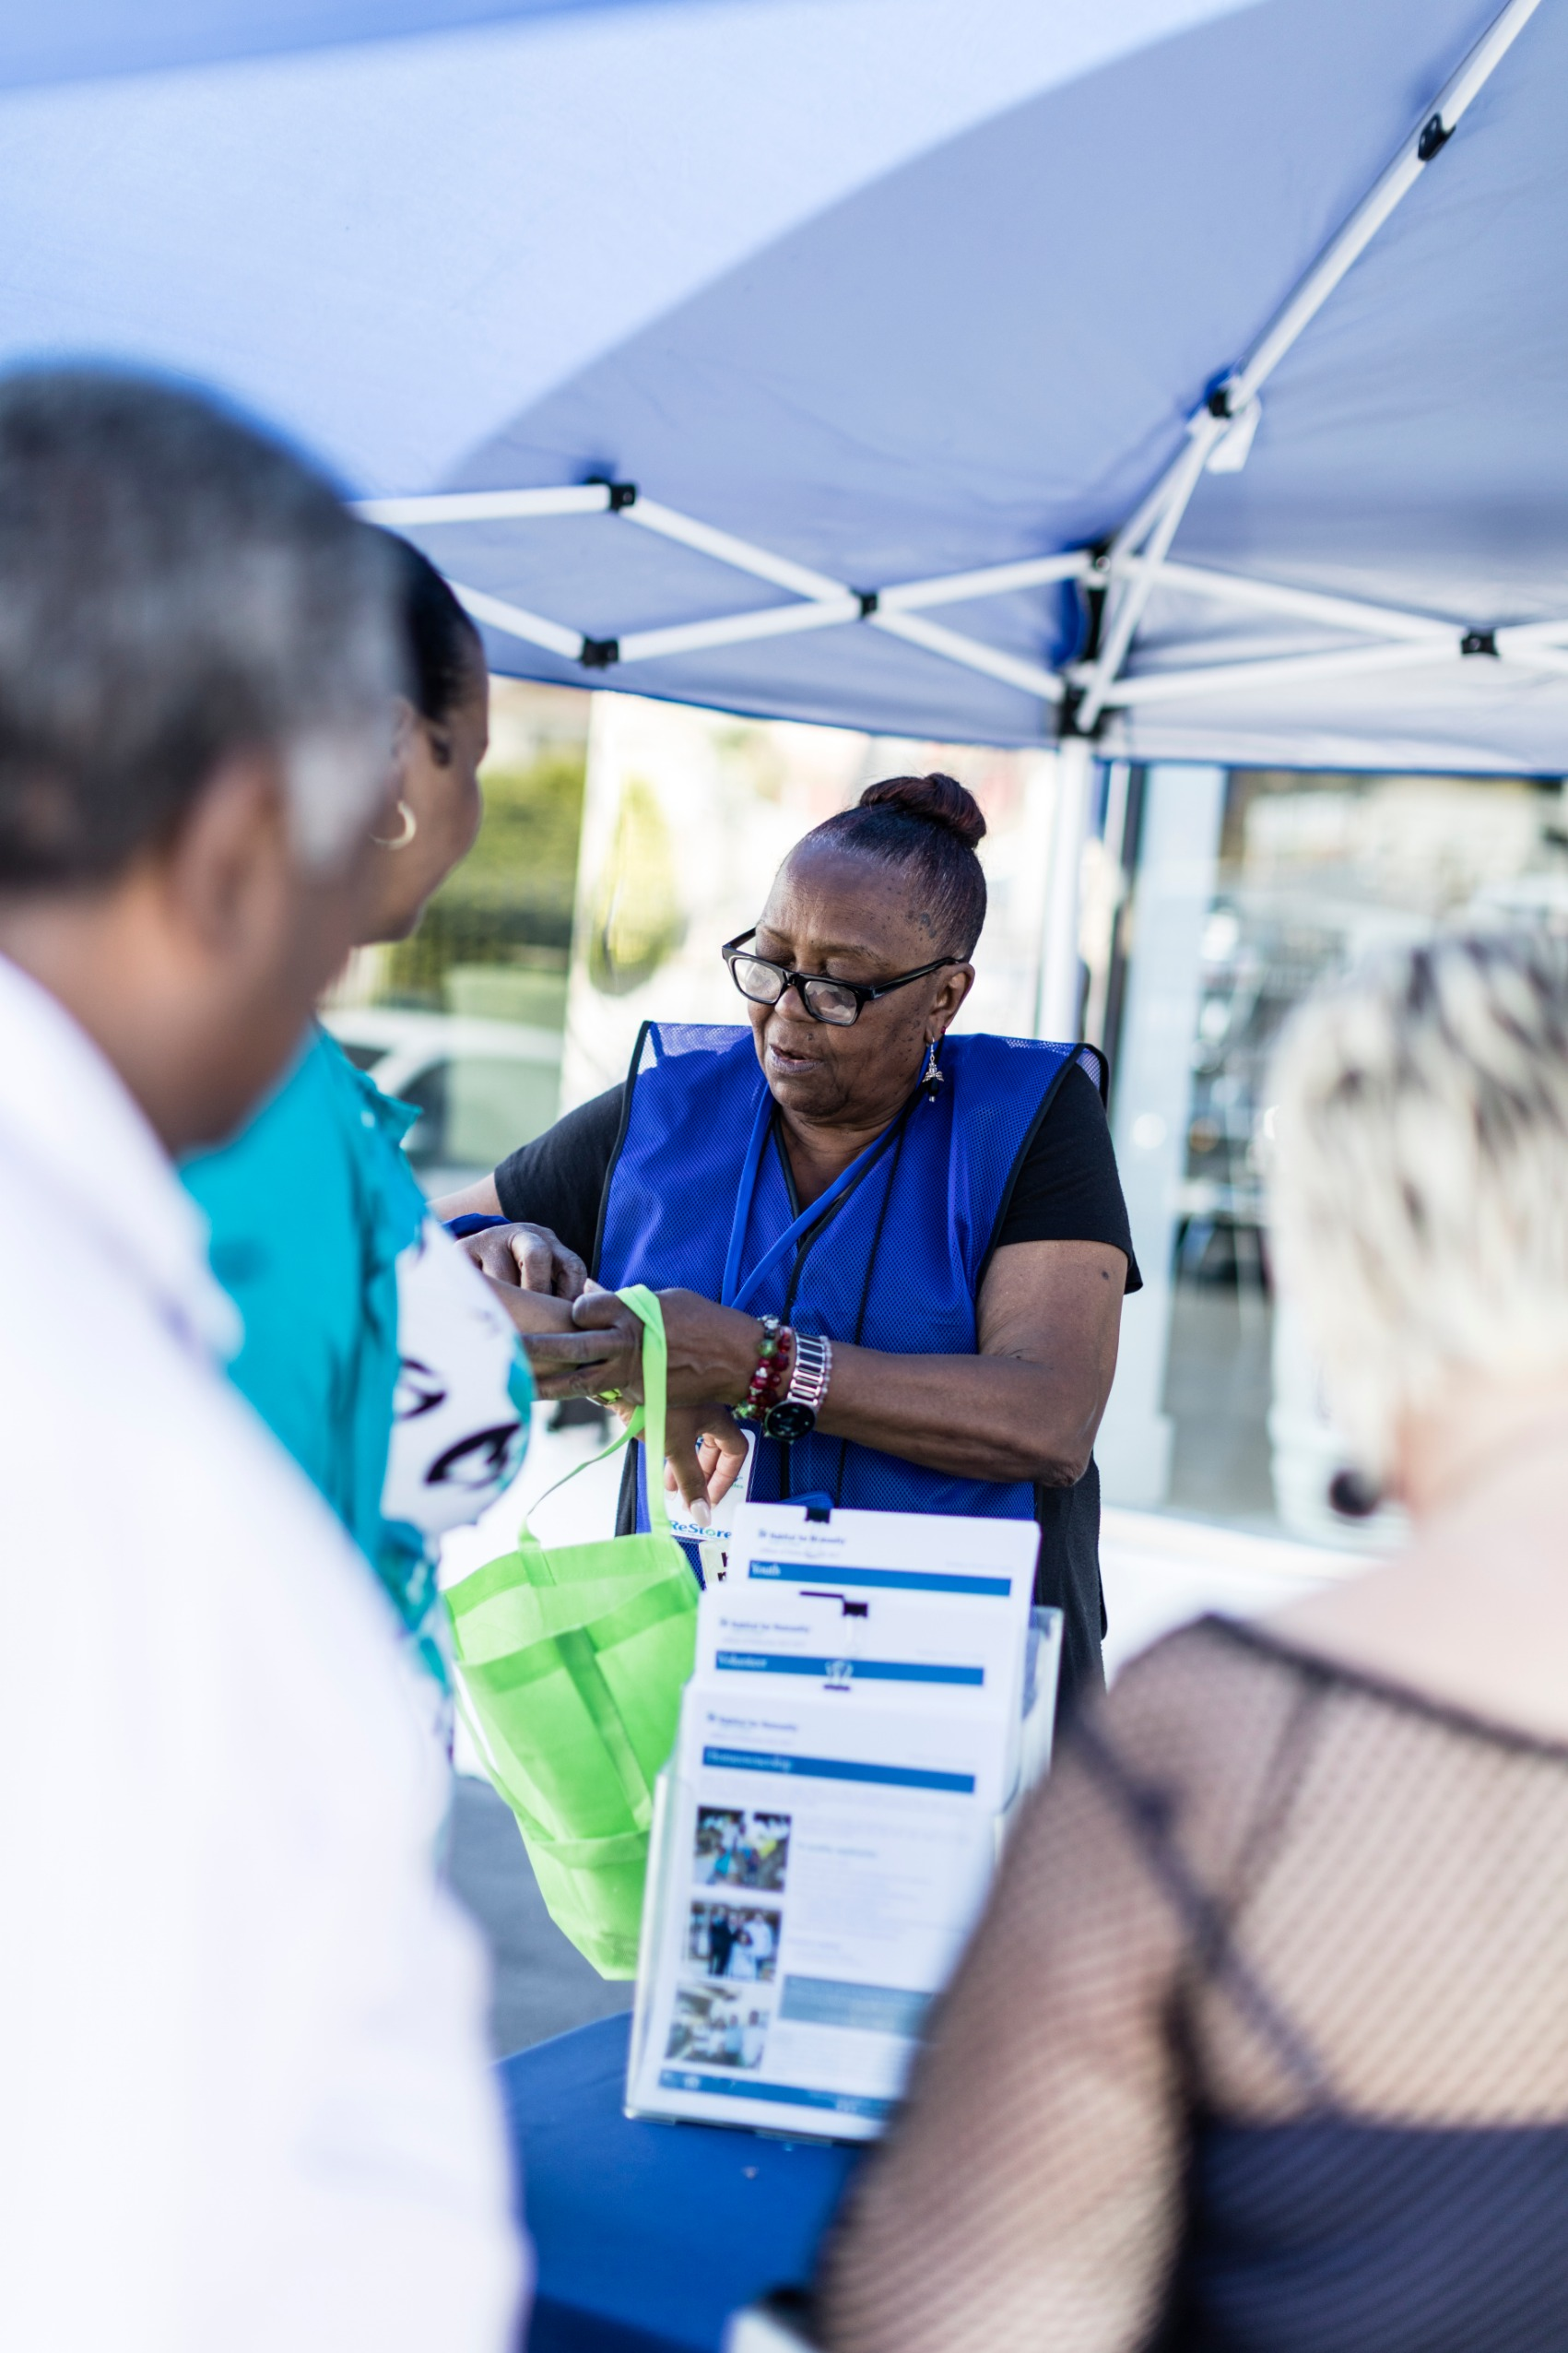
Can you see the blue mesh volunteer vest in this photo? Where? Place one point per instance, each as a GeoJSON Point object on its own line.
{"type": "Point", "coordinates": [890, 1257]}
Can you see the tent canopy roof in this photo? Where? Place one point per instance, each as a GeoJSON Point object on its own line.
{"type": "Point", "coordinates": [81, 40]}
{"type": "Point", "coordinates": [888, 290]}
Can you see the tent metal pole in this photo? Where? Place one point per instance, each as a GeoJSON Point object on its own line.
{"type": "Point", "coordinates": [1331, 747]}
{"type": "Point", "coordinates": [788, 621]}
{"type": "Point", "coordinates": [1167, 502]}
{"type": "Point", "coordinates": [776, 620]}
{"type": "Point", "coordinates": [1133, 533]}
{"type": "Point", "coordinates": [1058, 1009]}
{"type": "Point", "coordinates": [1241, 678]}
{"type": "Point", "coordinates": [992, 580]}
{"type": "Point", "coordinates": [1230, 678]}
{"type": "Point", "coordinates": [739, 628]}
{"type": "Point", "coordinates": [1103, 907]}
{"type": "Point", "coordinates": [487, 506]}
{"type": "Point", "coordinates": [1032, 678]}
{"type": "Point", "coordinates": [1442, 119]}
{"type": "Point", "coordinates": [1130, 605]}
{"type": "Point", "coordinates": [1532, 656]}
{"type": "Point", "coordinates": [1531, 632]}
{"type": "Point", "coordinates": [597, 498]}
{"type": "Point", "coordinates": [516, 621]}
{"type": "Point", "coordinates": [1268, 595]}
{"type": "Point", "coordinates": [725, 549]}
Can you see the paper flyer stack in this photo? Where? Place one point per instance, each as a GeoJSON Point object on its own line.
{"type": "Point", "coordinates": [872, 1693]}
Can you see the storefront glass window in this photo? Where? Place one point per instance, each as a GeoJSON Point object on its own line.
{"type": "Point", "coordinates": [467, 1019]}
{"type": "Point", "coordinates": [688, 814]}
{"type": "Point", "coordinates": [1305, 873]}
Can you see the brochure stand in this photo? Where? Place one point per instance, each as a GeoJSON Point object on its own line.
{"type": "Point", "coordinates": [873, 1694]}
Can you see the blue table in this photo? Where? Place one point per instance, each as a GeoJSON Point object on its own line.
{"type": "Point", "coordinates": [649, 2235]}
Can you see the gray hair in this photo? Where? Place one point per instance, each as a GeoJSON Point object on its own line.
{"type": "Point", "coordinates": [175, 587]}
{"type": "Point", "coordinates": [1419, 1180]}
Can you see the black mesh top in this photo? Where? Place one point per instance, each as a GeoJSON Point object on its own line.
{"type": "Point", "coordinates": [1262, 2045]}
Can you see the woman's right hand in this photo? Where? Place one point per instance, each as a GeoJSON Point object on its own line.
{"type": "Point", "coordinates": [529, 1256]}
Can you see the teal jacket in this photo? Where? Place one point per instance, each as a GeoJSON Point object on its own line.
{"type": "Point", "coordinates": [310, 1207]}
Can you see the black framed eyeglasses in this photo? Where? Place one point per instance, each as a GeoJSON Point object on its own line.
{"type": "Point", "coordinates": [839, 1002]}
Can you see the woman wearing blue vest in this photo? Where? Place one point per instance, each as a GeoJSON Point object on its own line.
{"type": "Point", "coordinates": [391, 1376]}
{"type": "Point", "coordinates": [902, 1254]}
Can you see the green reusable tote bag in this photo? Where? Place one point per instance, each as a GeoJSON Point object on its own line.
{"type": "Point", "coordinates": [571, 1664]}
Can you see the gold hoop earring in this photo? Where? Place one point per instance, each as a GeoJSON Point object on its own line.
{"type": "Point", "coordinates": [399, 841]}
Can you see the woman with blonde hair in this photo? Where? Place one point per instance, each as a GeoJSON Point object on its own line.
{"type": "Point", "coordinates": [1263, 2043]}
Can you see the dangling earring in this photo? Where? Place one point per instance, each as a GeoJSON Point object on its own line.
{"type": "Point", "coordinates": [399, 841]}
{"type": "Point", "coordinates": [931, 1077]}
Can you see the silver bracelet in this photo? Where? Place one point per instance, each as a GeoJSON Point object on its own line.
{"type": "Point", "coordinates": [811, 1371]}
{"type": "Point", "coordinates": [794, 1415]}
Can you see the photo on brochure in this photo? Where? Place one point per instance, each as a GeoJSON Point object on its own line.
{"type": "Point", "coordinates": [713, 2027]}
{"type": "Point", "coordinates": [737, 1848]}
{"type": "Point", "coordinates": [739, 1942]}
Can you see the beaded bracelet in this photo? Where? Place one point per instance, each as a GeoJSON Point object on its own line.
{"type": "Point", "coordinates": [771, 1379]}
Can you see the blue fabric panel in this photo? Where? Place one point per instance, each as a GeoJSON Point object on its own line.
{"type": "Point", "coordinates": [396, 249]}
{"type": "Point", "coordinates": [83, 37]}
{"type": "Point", "coordinates": [649, 2236]}
{"type": "Point", "coordinates": [1318, 2236]}
{"type": "Point", "coordinates": [872, 322]}
{"type": "Point", "coordinates": [935, 1193]}
{"type": "Point", "coordinates": [831, 439]}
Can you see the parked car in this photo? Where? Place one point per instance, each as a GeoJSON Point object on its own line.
{"type": "Point", "coordinates": [481, 1087]}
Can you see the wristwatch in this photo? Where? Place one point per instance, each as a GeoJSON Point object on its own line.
{"type": "Point", "coordinates": [794, 1415]}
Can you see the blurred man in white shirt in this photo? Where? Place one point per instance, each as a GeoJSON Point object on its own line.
{"type": "Point", "coordinates": [243, 2097]}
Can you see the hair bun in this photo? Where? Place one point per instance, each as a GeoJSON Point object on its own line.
{"type": "Point", "coordinates": [939, 800]}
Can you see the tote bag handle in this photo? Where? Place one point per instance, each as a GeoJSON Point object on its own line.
{"type": "Point", "coordinates": [647, 1423]}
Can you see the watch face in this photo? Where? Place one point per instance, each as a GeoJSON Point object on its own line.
{"type": "Point", "coordinates": [789, 1421]}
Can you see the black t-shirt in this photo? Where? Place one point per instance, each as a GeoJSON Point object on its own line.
{"type": "Point", "coordinates": [1067, 1190]}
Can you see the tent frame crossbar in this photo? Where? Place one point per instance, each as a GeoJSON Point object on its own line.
{"type": "Point", "coordinates": [1406, 638]}
{"type": "Point", "coordinates": [822, 603]}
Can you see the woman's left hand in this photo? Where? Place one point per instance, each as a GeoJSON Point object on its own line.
{"type": "Point", "coordinates": [705, 1451]}
{"type": "Point", "coordinates": [711, 1350]}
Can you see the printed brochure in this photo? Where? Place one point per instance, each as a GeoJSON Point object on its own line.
{"type": "Point", "coordinates": [850, 1744]}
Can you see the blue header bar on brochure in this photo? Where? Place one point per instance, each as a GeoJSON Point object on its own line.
{"type": "Point", "coordinates": [786, 1662]}
{"type": "Point", "coordinates": [902, 1581]}
{"type": "Point", "coordinates": [846, 2103]}
{"type": "Point", "coordinates": [836, 1768]}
